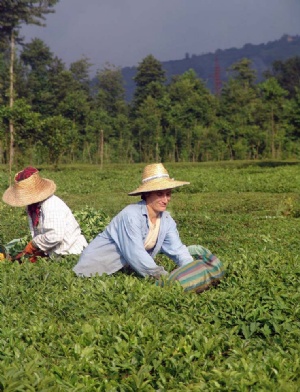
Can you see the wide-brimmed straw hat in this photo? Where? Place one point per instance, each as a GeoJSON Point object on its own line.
{"type": "Point", "coordinates": [156, 178]}
{"type": "Point", "coordinates": [29, 190]}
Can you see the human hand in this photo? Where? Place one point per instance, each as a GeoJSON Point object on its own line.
{"type": "Point", "coordinates": [30, 252]}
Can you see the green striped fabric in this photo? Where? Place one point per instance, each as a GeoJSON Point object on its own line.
{"type": "Point", "coordinates": [205, 271]}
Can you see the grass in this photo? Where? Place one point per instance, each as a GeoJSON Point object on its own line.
{"type": "Point", "coordinates": [121, 332]}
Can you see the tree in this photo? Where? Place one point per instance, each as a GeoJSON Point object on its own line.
{"type": "Point", "coordinates": [60, 83]}
{"type": "Point", "coordinates": [75, 106]}
{"type": "Point", "coordinates": [287, 73]}
{"type": "Point", "coordinates": [80, 71]}
{"type": "Point", "coordinates": [238, 108]}
{"type": "Point", "coordinates": [149, 79]}
{"type": "Point", "coordinates": [111, 126]}
{"type": "Point", "coordinates": [242, 72]}
{"type": "Point", "coordinates": [148, 128]}
{"type": "Point", "coordinates": [98, 131]}
{"type": "Point", "coordinates": [111, 92]}
{"type": "Point", "coordinates": [56, 137]}
{"type": "Point", "coordinates": [29, 131]}
{"type": "Point", "coordinates": [208, 144]}
{"type": "Point", "coordinates": [4, 83]}
{"type": "Point", "coordinates": [273, 98]}
{"type": "Point", "coordinates": [38, 60]}
{"type": "Point", "coordinates": [293, 119]}
{"type": "Point", "coordinates": [191, 105]}
{"type": "Point", "coordinates": [12, 15]}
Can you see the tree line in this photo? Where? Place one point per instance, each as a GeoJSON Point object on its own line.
{"type": "Point", "coordinates": [50, 113]}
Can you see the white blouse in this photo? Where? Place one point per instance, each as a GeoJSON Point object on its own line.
{"type": "Point", "coordinates": [58, 232]}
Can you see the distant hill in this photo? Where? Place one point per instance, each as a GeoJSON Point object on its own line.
{"type": "Point", "coordinates": [213, 66]}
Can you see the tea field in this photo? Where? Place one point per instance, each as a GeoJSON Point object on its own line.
{"type": "Point", "coordinates": [122, 333]}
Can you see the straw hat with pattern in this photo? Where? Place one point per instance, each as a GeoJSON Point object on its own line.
{"type": "Point", "coordinates": [28, 188]}
{"type": "Point", "coordinates": [156, 178]}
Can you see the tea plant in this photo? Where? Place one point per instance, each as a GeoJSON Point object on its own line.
{"type": "Point", "coordinates": [59, 332]}
{"type": "Point", "coordinates": [92, 222]}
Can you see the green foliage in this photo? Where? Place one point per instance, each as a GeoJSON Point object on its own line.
{"type": "Point", "coordinates": [92, 222]}
{"type": "Point", "coordinates": [148, 125]}
{"type": "Point", "coordinates": [80, 70]}
{"type": "Point", "coordinates": [149, 80]}
{"type": "Point", "coordinates": [191, 107]}
{"type": "Point", "coordinates": [243, 72]}
{"type": "Point", "coordinates": [180, 116]}
{"type": "Point", "coordinates": [57, 137]}
{"type": "Point", "coordinates": [121, 332]}
{"type": "Point", "coordinates": [75, 106]}
{"type": "Point", "coordinates": [287, 74]}
{"type": "Point", "coordinates": [111, 90]}
{"type": "Point", "coordinates": [27, 126]}
{"type": "Point", "coordinates": [13, 14]}
{"type": "Point", "coordinates": [13, 223]}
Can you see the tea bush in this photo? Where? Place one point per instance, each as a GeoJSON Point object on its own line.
{"type": "Point", "coordinates": [59, 332]}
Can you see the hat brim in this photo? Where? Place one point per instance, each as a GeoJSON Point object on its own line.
{"type": "Point", "coordinates": [16, 196]}
{"type": "Point", "coordinates": [157, 185]}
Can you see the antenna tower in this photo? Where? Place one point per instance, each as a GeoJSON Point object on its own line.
{"type": "Point", "coordinates": [217, 77]}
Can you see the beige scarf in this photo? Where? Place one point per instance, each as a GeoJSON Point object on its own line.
{"type": "Point", "coordinates": [151, 238]}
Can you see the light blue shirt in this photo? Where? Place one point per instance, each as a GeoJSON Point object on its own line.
{"type": "Point", "coordinates": [122, 244]}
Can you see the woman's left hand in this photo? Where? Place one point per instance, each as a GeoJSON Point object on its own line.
{"type": "Point", "coordinates": [30, 252]}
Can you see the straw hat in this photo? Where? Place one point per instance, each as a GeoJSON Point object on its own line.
{"type": "Point", "coordinates": [156, 178]}
{"type": "Point", "coordinates": [28, 191]}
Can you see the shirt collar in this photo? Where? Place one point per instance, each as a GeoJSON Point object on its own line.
{"type": "Point", "coordinates": [142, 203]}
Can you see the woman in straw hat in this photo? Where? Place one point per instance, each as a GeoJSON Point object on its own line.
{"type": "Point", "coordinates": [53, 227]}
{"type": "Point", "coordinates": [136, 235]}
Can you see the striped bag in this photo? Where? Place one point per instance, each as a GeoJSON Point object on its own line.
{"type": "Point", "coordinates": [205, 271]}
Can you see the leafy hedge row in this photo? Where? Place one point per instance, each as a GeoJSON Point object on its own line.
{"type": "Point", "coordinates": [123, 333]}
{"type": "Point", "coordinates": [59, 332]}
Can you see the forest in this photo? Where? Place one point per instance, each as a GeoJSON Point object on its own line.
{"type": "Point", "coordinates": [51, 113]}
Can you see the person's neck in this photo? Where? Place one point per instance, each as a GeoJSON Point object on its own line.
{"type": "Point", "coordinates": [153, 215]}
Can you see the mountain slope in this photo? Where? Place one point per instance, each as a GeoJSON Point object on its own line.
{"type": "Point", "coordinates": [213, 66]}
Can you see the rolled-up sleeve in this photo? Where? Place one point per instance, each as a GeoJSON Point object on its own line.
{"type": "Point", "coordinates": [173, 247]}
{"type": "Point", "coordinates": [129, 240]}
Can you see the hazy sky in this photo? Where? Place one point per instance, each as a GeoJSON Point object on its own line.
{"type": "Point", "coordinates": [123, 32]}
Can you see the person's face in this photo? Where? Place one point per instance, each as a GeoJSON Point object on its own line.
{"type": "Point", "coordinates": [157, 201]}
